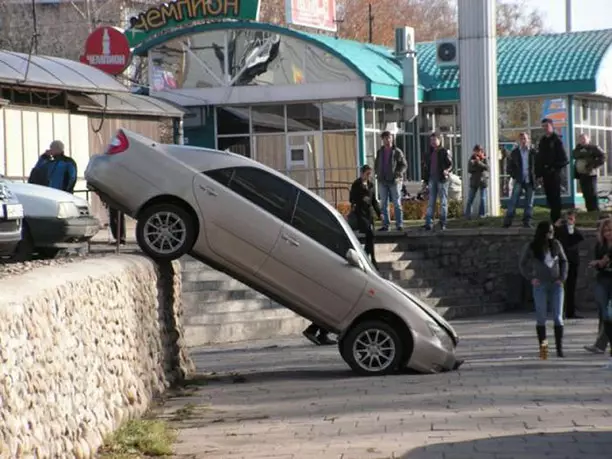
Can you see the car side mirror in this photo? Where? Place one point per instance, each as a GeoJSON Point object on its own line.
{"type": "Point", "coordinates": [353, 258]}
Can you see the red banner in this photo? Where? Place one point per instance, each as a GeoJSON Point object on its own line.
{"type": "Point", "coordinates": [318, 14]}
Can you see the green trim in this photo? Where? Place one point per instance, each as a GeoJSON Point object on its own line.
{"type": "Point", "coordinates": [371, 87]}
{"type": "Point", "coordinates": [361, 131]}
{"type": "Point", "coordinates": [520, 90]}
{"type": "Point", "coordinates": [570, 142]}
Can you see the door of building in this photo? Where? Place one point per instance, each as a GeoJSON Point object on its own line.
{"type": "Point", "coordinates": [304, 160]}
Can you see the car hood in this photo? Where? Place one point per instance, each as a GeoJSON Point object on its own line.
{"type": "Point", "coordinates": [45, 193]}
{"type": "Point", "coordinates": [427, 310]}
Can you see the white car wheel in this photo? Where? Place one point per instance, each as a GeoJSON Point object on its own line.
{"type": "Point", "coordinates": [165, 231]}
{"type": "Point", "coordinates": [372, 348]}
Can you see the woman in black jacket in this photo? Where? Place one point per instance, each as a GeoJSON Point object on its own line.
{"type": "Point", "coordinates": [364, 206]}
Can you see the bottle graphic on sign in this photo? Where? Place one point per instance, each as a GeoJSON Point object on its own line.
{"type": "Point", "coordinates": [106, 43]}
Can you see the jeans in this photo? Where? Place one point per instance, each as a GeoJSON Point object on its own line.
{"type": "Point", "coordinates": [391, 191]}
{"type": "Point", "coordinates": [548, 293]}
{"type": "Point", "coordinates": [588, 185]}
{"type": "Point", "coordinates": [603, 294]}
{"type": "Point", "coordinates": [517, 189]}
{"type": "Point", "coordinates": [437, 188]}
{"type": "Point", "coordinates": [483, 201]}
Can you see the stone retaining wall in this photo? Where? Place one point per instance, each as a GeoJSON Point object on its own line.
{"type": "Point", "coordinates": [490, 257]}
{"type": "Point", "coordinates": [84, 347]}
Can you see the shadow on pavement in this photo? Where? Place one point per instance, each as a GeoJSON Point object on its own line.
{"type": "Point", "coordinates": [566, 445]}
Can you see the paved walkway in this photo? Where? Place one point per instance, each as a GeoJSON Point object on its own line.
{"type": "Point", "coordinates": [294, 400]}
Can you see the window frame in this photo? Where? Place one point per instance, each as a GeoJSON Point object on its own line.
{"type": "Point", "coordinates": [291, 200]}
{"type": "Point", "coordinates": [331, 217]}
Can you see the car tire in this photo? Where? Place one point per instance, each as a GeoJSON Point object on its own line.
{"type": "Point", "coordinates": [181, 232]}
{"type": "Point", "coordinates": [25, 248]}
{"type": "Point", "coordinates": [385, 355]}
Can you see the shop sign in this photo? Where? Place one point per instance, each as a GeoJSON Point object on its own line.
{"type": "Point", "coordinates": [107, 49]}
{"type": "Point", "coordinates": [177, 14]}
{"type": "Point", "coordinates": [318, 14]}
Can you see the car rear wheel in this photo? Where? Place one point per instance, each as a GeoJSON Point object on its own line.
{"type": "Point", "coordinates": [372, 348]}
{"type": "Point", "coordinates": [165, 231]}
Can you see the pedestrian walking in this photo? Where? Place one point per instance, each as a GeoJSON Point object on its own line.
{"type": "Point", "coordinates": [603, 287]}
{"type": "Point", "coordinates": [436, 172]}
{"type": "Point", "coordinates": [521, 167]}
{"type": "Point", "coordinates": [570, 238]}
{"type": "Point", "coordinates": [544, 264]}
{"type": "Point", "coordinates": [390, 166]}
{"type": "Point", "coordinates": [479, 181]}
{"type": "Point", "coordinates": [364, 206]}
{"type": "Point", "coordinates": [588, 158]}
{"type": "Point", "coordinates": [54, 169]}
{"type": "Point", "coordinates": [550, 161]}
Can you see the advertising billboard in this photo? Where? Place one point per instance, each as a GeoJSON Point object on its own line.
{"type": "Point", "coordinates": [318, 14]}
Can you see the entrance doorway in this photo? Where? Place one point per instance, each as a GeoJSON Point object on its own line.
{"type": "Point", "coordinates": [304, 160]}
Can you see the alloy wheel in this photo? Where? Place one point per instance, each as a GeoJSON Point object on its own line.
{"type": "Point", "coordinates": [165, 232]}
{"type": "Point", "coordinates": [374, 350]}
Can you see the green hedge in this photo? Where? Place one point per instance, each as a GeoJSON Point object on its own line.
{"type": "Point", "coordinates": [415, 210]}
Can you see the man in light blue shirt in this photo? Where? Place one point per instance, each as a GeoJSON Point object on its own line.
{"type": "Point", "coordinates": [521, 168]}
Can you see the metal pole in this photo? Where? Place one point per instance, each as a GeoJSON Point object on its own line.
{"type": "Point", "coordinates": [370, 23]}
{"type": "Point", "coordinates": [568, 16]}
{"type": "Point", "coordinates": [118, 241]}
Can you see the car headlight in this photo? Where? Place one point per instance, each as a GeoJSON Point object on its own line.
{"type": "Point", "coordinates": [5, 192]}
{"type": "Point", "coordinates": [441, 334]}
{"type": "Point", "coordinates": [67, 210]}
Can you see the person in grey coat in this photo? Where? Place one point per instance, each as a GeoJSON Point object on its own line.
{"type": "Point", "coordinates": [544, 264]}
{"type": "Point", "coordinates": [478, 168]}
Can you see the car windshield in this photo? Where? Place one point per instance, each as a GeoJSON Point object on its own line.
{"type": "Point", "coordinates": [355, 241]}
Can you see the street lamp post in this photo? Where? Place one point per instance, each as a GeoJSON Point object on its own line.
{"type": "Point", "coordinates": [478, 91]}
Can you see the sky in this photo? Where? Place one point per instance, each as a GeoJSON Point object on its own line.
{"type": "Point", "coordinates": [587, 14]}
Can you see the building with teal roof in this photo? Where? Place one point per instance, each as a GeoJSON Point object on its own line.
{"type": "Point", "coordinates": [314, 106]}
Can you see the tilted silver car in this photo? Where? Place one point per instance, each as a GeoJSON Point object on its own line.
{"type": "Point", "coordinates": [11, 218]}
{"type": "Point", "coordinates": [269, 232]}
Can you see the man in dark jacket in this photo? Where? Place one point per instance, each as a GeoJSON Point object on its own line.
{"type": "Point", "coordinates": [390, 166]}
{"type": "Point", "coordinates": [436, 170]}
{"type": "Point", "coordinates": [521, 166]}
{"type": "Point", "coordinates": [54, 169]}
{"type": "Point", "coordinates": [479, 181]}
{"type": "Point", "coordinates": [587, 159]}
{"type": "Point", "coordinates": [570, 238]}
{"type": "Point", "coordinates": [364, 206]}
{"type": "Point", "coordinates": [551, 160]}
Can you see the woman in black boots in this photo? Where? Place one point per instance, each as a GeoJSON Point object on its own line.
{"type": "Point", "coordinates": [603, 287]}
{"type": "Point", "coordinates": [544, 264]}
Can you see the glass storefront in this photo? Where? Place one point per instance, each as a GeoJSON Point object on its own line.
{"type": "Point", "coordinates": [594, 118]}
{"type": "Point", "coordinates": [313, 143]}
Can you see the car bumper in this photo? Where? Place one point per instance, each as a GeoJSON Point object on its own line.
{"type": "Point", "coordinates": [431, 356]}
{"type": "Point", "coordinates": [10, 235]}
{"type": "Point", "coordinates": [62, 233]}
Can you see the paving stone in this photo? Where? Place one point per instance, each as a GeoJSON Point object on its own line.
{"type": "Point", "coordinates": [300, 401]}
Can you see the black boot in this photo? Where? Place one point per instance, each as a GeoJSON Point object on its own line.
{"type": "Point", "coordinates": [559, 340]}
{"type": "Point", "coordinates": [541, 331]}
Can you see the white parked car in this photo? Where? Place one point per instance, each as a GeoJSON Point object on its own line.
{"type": "Point", "coordinates": [53, 221]}
{"type": "Point", "coordinates": [11, 216]}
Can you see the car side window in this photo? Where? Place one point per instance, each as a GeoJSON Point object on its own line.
{"type": "Point", "coordinates": [315, 221]}
{"type": "Point", "coordinates": [263, 189]}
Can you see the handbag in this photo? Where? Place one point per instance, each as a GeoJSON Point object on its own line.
{"type": "Point", "coordinates": [353, 220]}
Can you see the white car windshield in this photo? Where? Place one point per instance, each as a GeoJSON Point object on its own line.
{"type": "Point", "coordinates": [355, 241]}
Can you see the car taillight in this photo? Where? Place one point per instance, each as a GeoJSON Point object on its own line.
{"type": "Point", "coordinates": [118, 145]}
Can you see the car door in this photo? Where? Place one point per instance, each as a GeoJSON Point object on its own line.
{"type": "Point", "coordinates": [244, 209]}
{"type": "Point", "coordinates": [309, 262]}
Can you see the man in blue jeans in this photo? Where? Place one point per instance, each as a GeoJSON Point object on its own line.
{"type": "Point", "coordinates": [436, 170]}
{"type": "Point", "coordinates": [521, 168]}
{"type": "Point", "coordinates": [390, 166]}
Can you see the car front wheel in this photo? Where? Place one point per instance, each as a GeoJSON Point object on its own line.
{"type": "Point", "coordinates": [372, 348]}
{"type": "Point", "coordinates": [165, 232]}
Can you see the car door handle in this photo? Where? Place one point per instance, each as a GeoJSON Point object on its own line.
{"type": "Point", "coordinates": [208, 190]}
{"type": "Point", "coordinates": [290, 240]}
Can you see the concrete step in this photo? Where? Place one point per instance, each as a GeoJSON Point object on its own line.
{"type": "Point", "coordinates": [191, 264]}
{"type": "Point", "coordinates": [234, 306]}
{"type": "Point", "coordinates": [450, 285]}
{"type": "Point", "coordinates": [203, 275]}
{"type": "Point", "coordinates": [208, 297]}
{"type": "Point", "coordinates": [401, 265]}
{"type": "Point", "coordinates": [474, 310]}
{"type": "Point", "coordinates": [221, 318]}
{"type": "Point", "coordinates": [230, 332]}
{"type": "Point", "coordinates": [452, 301]}
{"type": "Point", "coordinates": [227, 284]}
{"type": "Point", "coordinates": [395, 250]}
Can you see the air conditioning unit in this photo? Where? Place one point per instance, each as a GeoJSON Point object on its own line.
{"type": "Point", "coordinates": [447, 53]}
